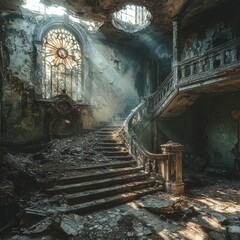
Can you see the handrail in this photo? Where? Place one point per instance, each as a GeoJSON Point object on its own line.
{"type": "Point", "coordinates": [142, 114]}
{"type": "Point", "coordinates": [145, 111]}
{"type": "Point", "coordinates": [151, 162]}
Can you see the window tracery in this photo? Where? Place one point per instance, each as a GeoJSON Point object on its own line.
{"type": "Point", "coordinates": [62, 62]}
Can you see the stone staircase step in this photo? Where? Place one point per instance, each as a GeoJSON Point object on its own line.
{"type": "Point", "coordinates": [111, 145]}
{"type": "Point", "coordinates": [99, 175]}
{"type": "Point", "coordinates": [118, 164]}
{"type": "Point", "coordinates": [96, 205]}
{"type": "Point", "coordinates": [117, 153]}
{"type": "Point", "coordinates": [103, 133]}
{"type": "Point", "coordinates": [114, 126]}
{"type": "Point", "coordinates": [103, 192]}
{"type": "Point", "coordinates": [109, 202]}
{"type": "Point", "coordinates": [108, 140]}
{"type": "Point", "coordinates": [122, 158]}
{"type": "Point", "coordinates": [111, 149]}
{"type": "Point", "coordinates": [71, 188]}
{"type": "Point", "coordinates": [107, 129]}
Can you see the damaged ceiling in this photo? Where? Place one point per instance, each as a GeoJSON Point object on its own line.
{"type": "Point", "coordinates": [163, 11]}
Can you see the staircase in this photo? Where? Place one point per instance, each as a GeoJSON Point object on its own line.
{"type": "Point", "coordinates": [99, 187]}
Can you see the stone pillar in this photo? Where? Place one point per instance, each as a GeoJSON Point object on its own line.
{"type": "Point", "coordinates": [174, 180]}
{"type": "Point", "coordinates": [176, 49]}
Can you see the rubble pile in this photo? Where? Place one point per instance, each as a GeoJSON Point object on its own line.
{"type": "Point", "coordinates": [23, 173]}
{"type": "Point", "coordinates": [209, 210]}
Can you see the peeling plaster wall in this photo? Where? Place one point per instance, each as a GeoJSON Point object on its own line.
{"type": "Point", "coordinates": [210, 30]}
{"type": "Point", "coordinates": [185, 129]}
{"type": "Point", "coordinates": [18, 42]}
{"type": "Point", "coordinates": [206, 129]}
{"type": "Point", "coordinates": [145, 137]}
{"type": "Point", "coordinates": [22, 121]}
{"type": "Point", "coordinates": [159, 65]}
{"type": "Point", "coordinates": [111, 85]}
{"type": "Point", "coordinates": [220, 130]}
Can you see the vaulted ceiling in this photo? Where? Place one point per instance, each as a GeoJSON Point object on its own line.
{"type": "Point", "coordinates": [163, 11]}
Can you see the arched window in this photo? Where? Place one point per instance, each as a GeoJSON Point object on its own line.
{"type": "Point", "coordinates": [62, 64]}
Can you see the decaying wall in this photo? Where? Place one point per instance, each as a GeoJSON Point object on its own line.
{"type": "Point", "coordinates": [110, 85]}
{"type": "Point", "coordinates": [210, 30]}
{"type": "Point", "coordinates": [220, 129]}
{"type": "Point", "coordinates": [207, 129]}
{"type": "Point", "coordinates": [22, 120]}
{"type": "Point", "coordinates": [158, 66]}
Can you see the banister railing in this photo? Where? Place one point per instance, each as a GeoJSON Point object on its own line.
{"type": "Point", "coordinates": [198, 68]}
{"type": "Point", "coordinates": [163, 165]}
{"type": "Point", "coordinates": [163, 92]}
{"type": "Point", "coordinates": [212, 62]}
{"type": "Point", "coordinates": [152, 163]}
{"type": "Point", "coordinates": [146, 110]}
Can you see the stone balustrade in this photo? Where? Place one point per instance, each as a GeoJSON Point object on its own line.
{"type": "Point", "coordinates": [168, 164]}
{"type": "Point", "coordinates": [211, 63]}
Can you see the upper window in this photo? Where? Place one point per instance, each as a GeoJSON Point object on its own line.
{"type": "Point", "coordinates": [62, 62]}
{"type": "Point", "coordinates": [131, 18]}
{"type": "Point", "coordinates": [38, 7]}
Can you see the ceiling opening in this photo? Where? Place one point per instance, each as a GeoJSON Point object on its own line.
{"type": "Point", "coordinates": [131, 18]}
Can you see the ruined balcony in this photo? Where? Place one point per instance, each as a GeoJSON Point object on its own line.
{"type": "Point", "coordinates": [212, 66]}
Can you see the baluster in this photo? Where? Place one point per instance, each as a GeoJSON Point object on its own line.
{"type": "Point", "coordinates": [211, 60]}
{"type": "Point", "coordinates": [234, 54]}
{"type": "Point", "coordinates": [153, 165]}
{"type": "Point", "coordinates": [147, 166]}
{"type": "Point", "coordinates": [183, 70]}
{"type": "Point", "coordinates": [192, 69]}
{"type": "Point", "coordinates": [200, 66]}
{"type": "Point", "coordinates": [221, 58]}
{"type": "Point", "coordinates": [159, 167]}
{"type": "Point", "coordinates": [144, 162]}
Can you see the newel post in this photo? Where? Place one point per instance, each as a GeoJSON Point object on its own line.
{"type": "Point", "coordinates": [173, 177]}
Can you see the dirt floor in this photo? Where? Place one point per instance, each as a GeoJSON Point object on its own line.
{"type": "Point", "coordinates": [210, 209]}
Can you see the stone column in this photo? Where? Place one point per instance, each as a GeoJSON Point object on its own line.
{"type": "Point", "coordinates": [174, 180]}
{"type": "Point", "coordinates": [176, 49]}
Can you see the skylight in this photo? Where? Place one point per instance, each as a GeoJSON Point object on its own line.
{"type": "Point", "coordinates": [131, 18]}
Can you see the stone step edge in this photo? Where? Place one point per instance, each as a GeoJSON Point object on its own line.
{"type": "Point", "coordinates": [103, 192]}
{"type": "Point", "coordinates": [96, 205]}
{"type": "Point", "coordinates": [111, 148]}
{"type": "Point", "coordinates": [97, 183]}
{"type": "Point", "coordinates": [98, 175]}
{"type": "Point", "coordinates": [123, 158]}
{"type": "Point", "coordinates": [111, 201]}
{"type": "Point", "coordinates": [116, 153]}
{"type": "Point", "coordinates": [107, 165]}
{"type": "Point", "coordinates": [105, 144]}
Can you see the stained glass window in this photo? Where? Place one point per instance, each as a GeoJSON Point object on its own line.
{"type": "Point", "coordinates": [62, 61]}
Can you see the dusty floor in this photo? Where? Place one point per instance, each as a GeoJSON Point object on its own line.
{"type": "Point", "coordinates": [209, 210]}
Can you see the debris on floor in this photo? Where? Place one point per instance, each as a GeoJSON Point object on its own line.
{"type": "Point", "coordinates": [209, 210]}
